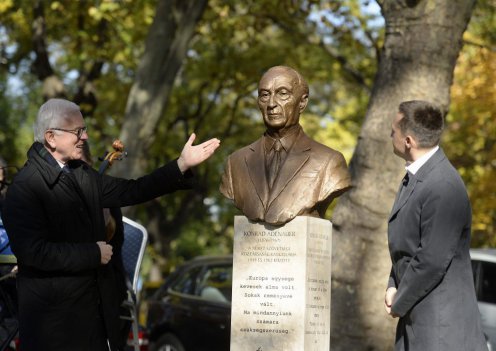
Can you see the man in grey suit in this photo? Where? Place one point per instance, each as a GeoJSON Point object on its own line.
{"type": "Point", "coordinates": [431, 285]}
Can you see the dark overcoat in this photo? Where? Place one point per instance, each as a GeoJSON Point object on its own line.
{"type": "Point", "coordinates": [429, 242]}
{"type": "Point", "coordinates": [54, 220]}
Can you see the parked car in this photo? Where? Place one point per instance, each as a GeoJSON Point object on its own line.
{"type": "Point", "coordinates": [192, 310]}
{"type": "Point", "coordinates": [484, 268]}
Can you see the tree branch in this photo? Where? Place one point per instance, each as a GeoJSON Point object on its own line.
{"type": "Point", "coordinates": [353, 73]}
{"type": "Point", "coordinates": [41, 65]}
{"type": "Point", "coordinates": [482, 46]}
{"type": "Point", "coordinates": [86, 95]}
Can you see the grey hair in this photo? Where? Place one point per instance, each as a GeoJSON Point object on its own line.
{"type": "Point", "coordinates": [50, 114]}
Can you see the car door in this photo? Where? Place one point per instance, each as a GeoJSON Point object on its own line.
{"type": "Point", "coordinates": [199, 307]}
{"type": "Point", "coordinates": [212, 314]}
{"type": "Point", "coordinates": [485, 283]}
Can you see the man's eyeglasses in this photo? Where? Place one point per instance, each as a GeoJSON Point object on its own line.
{"type": "Point", "coordinates": [77, 132]}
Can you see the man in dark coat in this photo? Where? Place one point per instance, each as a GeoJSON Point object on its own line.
{"type": "Point", "coordinates": [431, 286]}
{"type": "Point", "coordinates": [54, 218]}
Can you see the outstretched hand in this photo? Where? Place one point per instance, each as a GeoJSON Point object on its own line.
{"type": "Point", "coordinates": [194, 155]}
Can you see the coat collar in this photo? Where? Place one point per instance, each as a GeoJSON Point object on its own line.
{"type": "Point", "coordinates": [48, 166]}
{"type": "Point", "coordinates": [430, 164]}
{"type": "Point", "coordinates": [45, 163]}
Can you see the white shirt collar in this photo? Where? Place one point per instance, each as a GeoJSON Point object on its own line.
{"type": "Point", "coordinates": [415, 166]}
{"type": "Point", "coordinates": [60, 163]}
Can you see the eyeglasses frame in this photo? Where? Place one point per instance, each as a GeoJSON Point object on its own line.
{"type": "Point", "coordinates": [77, 132]}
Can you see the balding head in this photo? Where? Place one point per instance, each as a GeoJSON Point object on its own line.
{"type": "Point", "coordinates": [282, 97]}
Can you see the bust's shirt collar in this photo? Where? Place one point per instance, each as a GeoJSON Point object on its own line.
{"type": "Point", "coordinates": [287, 141]}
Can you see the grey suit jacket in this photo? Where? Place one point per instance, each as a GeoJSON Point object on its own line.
{"type": "Point", "coordinates": [429, 241]}
{"type": "Point", "coordinates": [309, 178]}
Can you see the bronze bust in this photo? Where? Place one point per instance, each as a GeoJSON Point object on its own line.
{"type": "Point", "coordinates": [284, 174]}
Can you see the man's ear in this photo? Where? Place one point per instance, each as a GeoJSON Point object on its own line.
{"type": "Point", "coordinates": [410, 142]}
{"type": "Point", "coordinates": [50, 139]}
{"type": "Point", "coordinates": [303, 102]}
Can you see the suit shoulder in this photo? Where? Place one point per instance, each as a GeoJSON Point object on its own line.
{"type": "Point", "coordinates": [26, 173]}
{"type": "Point", "coordinates": [241, 153]}
{"type": "Point", "coordinates": [326, 152]}
{"type": "Point", "coordinates": [446, 174]}
{"type": "Point", "coordinates": [445, 182]}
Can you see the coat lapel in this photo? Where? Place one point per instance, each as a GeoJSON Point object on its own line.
{"type": "Point", "coordinates": [417, 178]}
{"type": "Point", "coordinates": [297, 157]}
{"type": "Point", "coordinates": [405, 195]}
{"type": "Point", "coordinates": [255, 162]}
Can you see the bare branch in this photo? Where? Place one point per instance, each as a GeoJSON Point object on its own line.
{"type": "Point", "coordinates": [479, 45]}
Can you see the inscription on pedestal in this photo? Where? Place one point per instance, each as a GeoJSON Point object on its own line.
{"type": "Point", "coordinates": [281, 286]}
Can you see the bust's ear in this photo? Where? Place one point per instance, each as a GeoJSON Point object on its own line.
{"type": "Point", "coordinates": [303, 102]}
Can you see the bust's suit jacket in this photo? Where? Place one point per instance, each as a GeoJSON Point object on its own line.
{"type": "Point", "coordinates": [429, 241]}
{"type": "Point", "coordinates": [310, 177]}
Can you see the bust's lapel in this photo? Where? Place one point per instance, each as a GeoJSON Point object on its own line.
{"type": "Point", "coordinates": [255, 163]}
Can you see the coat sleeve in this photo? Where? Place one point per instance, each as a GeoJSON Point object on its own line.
{"type": "Point", "coordinates": [26, 224]}
{"type": "Point", "coordinates": [445, 215]}
{"type": "Point", "coordinates": [118, 192]}
{"type": "Point", "coordinates": [392, 280]}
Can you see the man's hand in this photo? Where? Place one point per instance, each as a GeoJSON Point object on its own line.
{"type": "Point", "coordinates": [194, 155]}
{"type": "Point", "coordinates": [388, 301]}
{"type": "Point", "coordinates": [105, 252]}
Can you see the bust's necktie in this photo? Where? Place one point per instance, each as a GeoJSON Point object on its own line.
{"type": "Point", "coordinates": [275, 162]}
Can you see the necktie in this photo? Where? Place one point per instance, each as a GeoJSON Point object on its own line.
{"type": "Point", "coordinates": [66, 169]}
{"type": "Point", "coordinates": [404, 184]}
{"type": "Point", "coordinates": [275, 162]}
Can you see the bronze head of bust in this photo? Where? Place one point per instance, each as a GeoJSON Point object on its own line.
{"type": "Point", "coordinates": [285, 173]}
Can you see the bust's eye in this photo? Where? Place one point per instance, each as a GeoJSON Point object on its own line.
{"type": "Point", "coordinates": [263, 96]}
{"type": "Point", "coordinates": [283, 94]}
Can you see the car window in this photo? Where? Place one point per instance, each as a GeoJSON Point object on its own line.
{"type": "Point", "coordinates": [488, 282]}
{"type": "Point", "coordinates": [216, 284]}
{"type": "Point", "coordinates": [185, 284]}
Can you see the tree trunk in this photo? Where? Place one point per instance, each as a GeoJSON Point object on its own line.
{"type": "Point", "coordinates": [422, 42]}
{"type": "Point", "coordinates": [165, 50]}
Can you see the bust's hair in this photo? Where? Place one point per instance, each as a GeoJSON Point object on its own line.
{"type": "Point", "coordinates": [301, 81]}
{"type": "Point", "coordinates": [50, 114]}
{"type": "Point", "coordinates": [423, 120]}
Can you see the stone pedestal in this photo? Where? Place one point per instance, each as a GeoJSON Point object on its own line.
{"type": "Point", "coordinates": [281, 294]}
